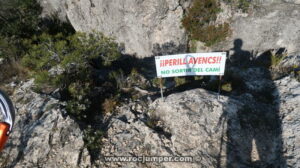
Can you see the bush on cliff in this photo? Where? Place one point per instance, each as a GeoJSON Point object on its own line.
{"type": "Point", "coordinates": [68, 63]}
{"type": "Point", "coordinates": [20, 21]}
{"type": "Point", "coordinates": [57, 57]}
{"type": "Point", "coordinates": [199, 22]}
{"type": "Point", "coordinates": [244, 5]}
{"type": "Point", "coordinates": [19, 18]}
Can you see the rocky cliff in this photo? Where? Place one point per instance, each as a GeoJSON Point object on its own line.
{"type": "Point", "coordinates": [150, 28]}
{"type": "Point", "coordinates": [143, 26]}
{"type": "Point", "coordinates": [269, 26]}
{"type": "Point", "coordinates": [255, 123]}
{"type": "Point", "coordinates": [238, 131]}
{"type": "Point", "coordinates": [44, 135]}
{"type": "Point", "coordinates": [247, 130]}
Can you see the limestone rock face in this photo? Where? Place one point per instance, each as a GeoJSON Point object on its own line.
{"type": "Point", "coordinates": [293, 1]}
{"type": "Point", "coordinates": [289, 93]}
{"type": "Point", "coordinates": [235, 132]}
{"type": "Point", "coordinates": [269, 26]}
{"type": "Point", "coordinates": [43, 135]}
{"type": "Point", "coordinates": [177, 126]}
{"type": "Point", "coordinates": [153, 27]}
{"type": "Point", "coordinates": [255, 125]}
{"type": "Point", "coordinates": [146, 27]}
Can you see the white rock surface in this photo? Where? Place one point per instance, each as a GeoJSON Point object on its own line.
{"type": "Point", "coordinates": [269, 26]}
{"type": "Point", "coordinates": [230, 132]}
{"type": "Point", "coordinates": [144, 26]}
{"type": "Point", "coordinates": [43, 135]}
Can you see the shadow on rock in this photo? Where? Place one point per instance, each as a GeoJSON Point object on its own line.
{"type": "Point", "coordinates": [254, 136]}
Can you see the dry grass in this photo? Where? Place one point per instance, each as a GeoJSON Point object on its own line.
{"type": "Point", "coordinates": [109, 105]}
{"type": "Point", "coordinates": [11, 72]}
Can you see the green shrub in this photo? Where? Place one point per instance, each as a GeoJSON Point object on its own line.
{"type": "Point", "coordinates": [56, 57]}
{"type": "Point", "coordinates": [93, 140]}
{"type": "Point", "coordinates": [152, 122]}
{"type": "Point", "coordinates": [157, 81]}
{"type": "Point", "coordinates": [136, 78]}
{"type": "Point", "coordinates": [12, 71]}
{"type": "Point", "coordinates": [74, 54]}
{"type": "Point", "coordinates": [68, 62]}
{"type": "Point", "coordinates": [296, 72]}
{"type": "Point", "coordinates": [8, 51]}
{"type": "Point", "coordinates": [19, 21]}
{"type": "Point", "coordinates": [193, 46]}
{"type": "Point", "coordinates": [9, 65]}
{"type": "Point", "coordinates": [244, 5]}
{"type": "Point", "coordinates": [119, 78]}
{"type": "Point", "coordinates": [199, 22]}
{"type": "Point", "coordinates": [227, 87]}
{"type": "Point", "coordinates": [198, 77]}
{"type": "Point", "coordinates": [212, 34]}
{"type": "Point", "coordinates": [276, 59]}
{"type": "Point", "coordinates": [180, 81]}
{"type": "Point", "coordinates": [19, 18]}
{"type": "Point", "coordinates": [134, 75]}
{"type": "Point", "coordinates": [79, 101]}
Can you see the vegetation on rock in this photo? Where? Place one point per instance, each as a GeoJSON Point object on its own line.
{"type": "Point", "coordinates": [58, 59]}
{"type": "Point", "coordinates": [244, 5]}
{"type": "Point", "coordinates": [199, 22]}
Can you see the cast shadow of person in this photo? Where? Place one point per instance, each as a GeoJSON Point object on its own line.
{"type": "Point", "coordinates": [254, 132]}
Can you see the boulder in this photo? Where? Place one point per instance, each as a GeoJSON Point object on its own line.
{"type": "Point", "coordinates": [235, 131]}
{"type": "Point", "coordinates": [43, 134]}
{"type": "Point", "coordinates": [145, 27]}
